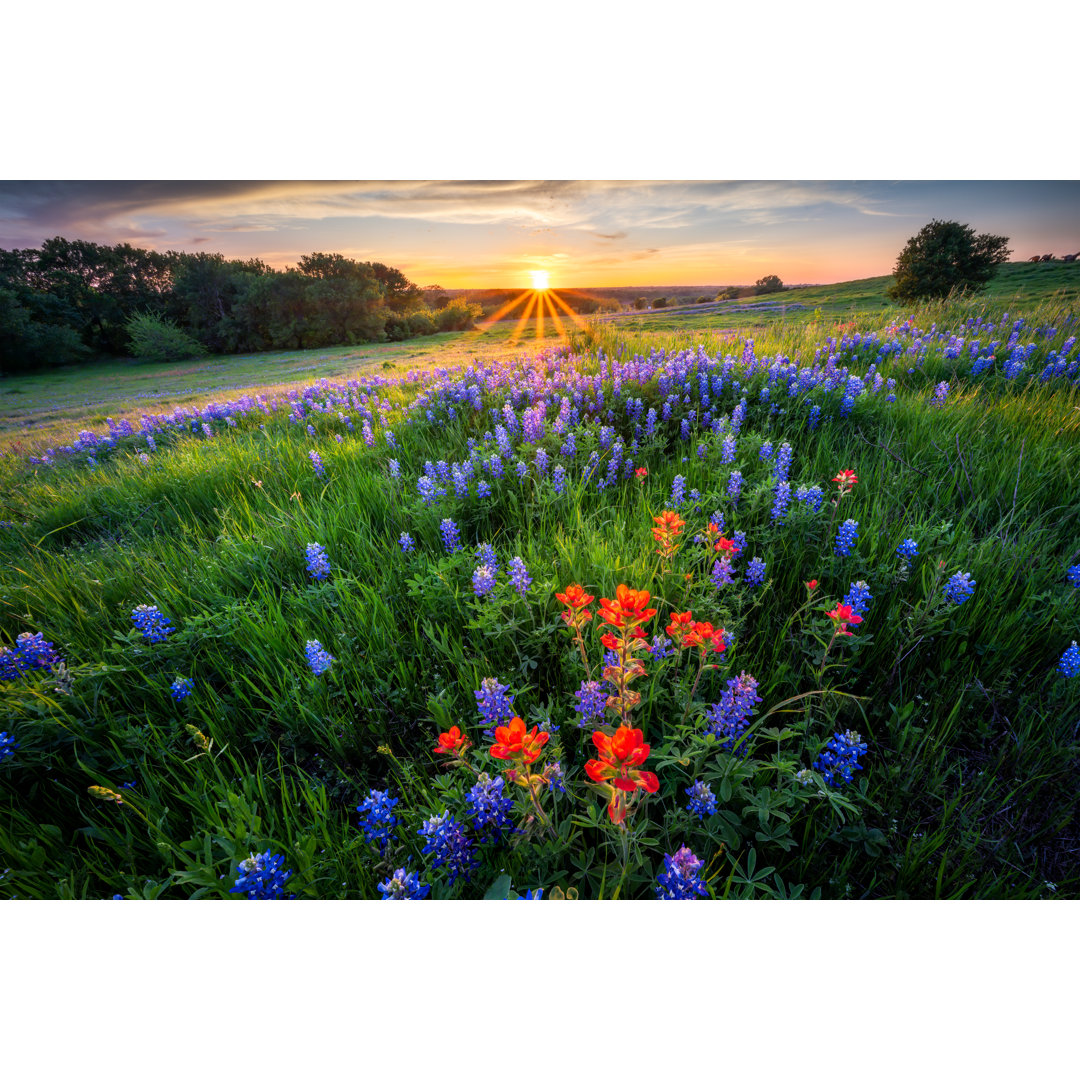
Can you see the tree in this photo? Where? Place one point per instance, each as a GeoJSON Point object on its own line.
{"type": "Point", "coordinates": [659, 302]}
{"type": "Point", "coordinates": [769, 283]}
{"type": "Point", "coordinates": [640, 303]}
{"type": "Point", "coordinates": [946, 257]}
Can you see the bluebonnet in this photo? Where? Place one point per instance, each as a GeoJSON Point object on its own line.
{"type": "Point", "coordinates": [486, 554]}
{"type": "Point", "coordinates": [1069, 664]}
{"type": "Point", "coordinates": [181, 688]}
{"type": "Point", "coordinates": [781, 499]}
{"type": "Point", "coordinates": [483, 580]}
{"type": "Point", "coordinates": [721, 573]}
{"type": "Point", "coordinates": [959, 588]}
{"type": "Point", "coordinates": [318, 565]}
{"type": "Point", "coordinates": [678, 490]}
{"type": "Point", "coordinates": [519, 575]}
{"type": "Point", "coordinates": [446, 840]}
{"type": "Point", "coordinates": [681, 877]}
{"type": "Point", "coordinates": [783, 461]}
{"type": "Point", "coordinates": [592, 701]}
{"type": "Point", "coordinates": [846, 537]}
{"type": "Point", "coordinates": [727, 450]}
{"type": "Point", "coordinates": [702, 800]}
{"type": "Point", "coordinates": [766, 451]}
{"type": "Point", "coordinates": [494, 701]}
{"type": "Point", "coordinates": [402, 886]}
{"type": "Point", "coordinates": [840, 758]}
{"type": "Point", "coordinates": [810, 496]}
{"type": "Point", "coordinates": [1072, 576]}
{"type": "Point", "coordinates": [406, 541]}
{"type": "Point", "coordinates": [530, 894]}
{"type": "Point", "coordinates": [858, 597]}
{"type": "Point", "coordinates": [489, 808]}
{"type": "Point", "coordinates": [377, 818]}
{"type": "Point", "coordinates": [907, 549]}
{"type": "Point", "coordinates": [451, 536]}
{"type": "Point", "coordinates": [755, 572]}
{"type": "Point", "coordinates": [661, 647]}
{"type": "Point", "coordinates": [319, 660]}
{"type": "Point", "coordinates": [730, 717]}
{"type": "Point", "coordinates": [30, 651]}
{"type": "Point", "coordinates": [8, 745]}
{"type": "Point", "coordinates": [814, 418]}
{"type": "Point", "coordinates": [154, 626]}
{"type": "Point", "coordinates": [261, 877]}
{"type": "Point", "coordinates": [558, 479]}
{"type": "Point", "coordinates": [317, 463]}
{"type": "Point", "coordinates": [553, 773]}
{"type": "Point", "coordinates": [739, 540]}
{"type": "Point", "coordinates": [426, 489]}
{"type": "Point", "coordinates": [483, 489]}
{"type": "Point", "coordinates": [541, 460]}
{"type": "Point", "coordinates": [941, 393]}
{"type": "Point", "coordinates": [734, 486]}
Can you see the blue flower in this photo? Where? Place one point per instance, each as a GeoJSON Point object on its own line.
{"type": "Point", "coordinates": [31, 651]}
{"type": "Point", "coordinates": [494, 701]}
{"type": "Point", "coordinates": [840, 758]}
{"type": "Point", "coordinates": [490, 809]}
{"type": "Point", "coordinates": [661, 647]}
{"type": "Point", "coordinates": [451, 536]}
{"type": "Point", "coordinates": [483, 579]}
{"type": "Point", "coordinates": [377, 818]}
{"type": "Point", "coordinates": [846, 537]}
{"type": "Point", "coordinates": [317, 463]}
{"type": "Point", "coordinates": [407, 542]}
{"type": "Point", "coordinates": [858, 597]}
{"type": "Point", "coordinates": [8, 745]}
{"type": "Point", "coordinates": [702, 800]}
{"type": "Point", "coordinates": [486, 554]}
{"type": "Point", "coordinates": [319, 660]}
{"type": "Point", "coordinates": [402, 886]}
{"type": "Point", "coordinates": [721, 573]}
{"type": "Point", "coordinates": [318, 565]}
{"type": "Point", "coordinates": [1072, 575]}
{"type": "Point", "coordinates": [941, 393]}
{"type": "Point", "coordinates": [681, 877]}
{"type": "Point", "coordinates": [261, 877]}
{"type": "Point", "coordinates": [519, 575]}
{"type": "Point", "coordinates": [907, 549]}
{"type": "Point", "coordinates": [446, 840]}
{"type": "Point", "coordinates": [155, 627]}
{"type": "Point", "coordinates": [734, 485]}
{"type": "Point", "coordinates": [755, 573]}
{"type": "Point", "coordinates": [592, 701]}
{"type": "Point", "coordinates": [1069, 664]}
{"type": "Point", "coordinates": [181, 688]}
{"type": "Point", "coordinates": [532, 895]}
{"type": "Point", "coordinates": [781, 499]}
{"type": "Point", "coordinates": [558, 479]}
{"type": "Point", "coordinates": [730, 717]}
{"type": "Point", "coordinates": [678, 490]}
{"type": "Point", "coordinates": [959, 588]}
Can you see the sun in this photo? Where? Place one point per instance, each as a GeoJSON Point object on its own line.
{"type": "Point", "coordinates": [539, 279]}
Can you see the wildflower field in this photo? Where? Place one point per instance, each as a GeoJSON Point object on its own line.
{"type": "Point", "coordinates": [785, 616]}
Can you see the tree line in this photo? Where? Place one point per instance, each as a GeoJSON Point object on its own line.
{"type": "Point", "coordinates": [73, 300]}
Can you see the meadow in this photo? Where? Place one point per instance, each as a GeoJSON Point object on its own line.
{"type": "Point", "coordinates": [775, 608]}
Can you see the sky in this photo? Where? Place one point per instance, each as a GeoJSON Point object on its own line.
{"type": "Point", "coordinates": [492, 233]}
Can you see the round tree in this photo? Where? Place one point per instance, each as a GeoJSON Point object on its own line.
{"type": "Point", "coordinates": [946, 257]}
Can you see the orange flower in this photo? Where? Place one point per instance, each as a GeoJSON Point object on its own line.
{"type": "Point", "coordinates": [514, 742]}
{"type": "Point", "coordinates": [681, 624]}
{"type": "Point", "coordinates": [845, 476]}
{"type": "Point", "coordinates": [616, 766]}
{"type": "Point", "coordinates": [576, 600]}
{"type": "Point", "coordinates": [453, 742]}
{"type": "Point", "coordinates": [704, 636]}
{"type": "Point", "coordinates": [670, 525]}
{"type": "Point", "coordinates": [627, 609]}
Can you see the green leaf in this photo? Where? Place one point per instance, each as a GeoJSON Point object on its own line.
{"type": "Point", "coordinates": [500, 888]}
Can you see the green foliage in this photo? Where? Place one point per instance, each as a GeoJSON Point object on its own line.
{"type": "Point", "coordinates": [458, 314]}
{"type": "Point", "coordinates": [946, 257]}
{"type": "Point", "coordinates": [660, 302]}
{"type": "Point", "coordinates": [160, 340]}
{"type": "Point", "coordinates": [768, 284]}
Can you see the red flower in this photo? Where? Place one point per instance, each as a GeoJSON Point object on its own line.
{"type": "Point", "coordinates": [627, 609]}
{"type": "Point", "coordinates": [576, 600]}
{"type": "Point", "coordinates": [705, 636]}
{"type": "Point", "coordinates": [453, 742]}
{"type": "Point", "coordinates": [681, 624]}
{"type": "Point", "coordinates": [641, 474]}
{"type": "Point", "coordinates": [812, 585]}
{"type": "Point", "coordinates": [842, 615]}
{"type": "Point", "coordinates": [845, 476]}
{"type": "Point", "coordinates": [723, 544]}
{"type": "Point", "coordinates": [514, 742]}
{"type": "Point", "coordinates": [616, 765]}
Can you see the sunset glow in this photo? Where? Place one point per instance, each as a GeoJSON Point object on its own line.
{"type": "Point", "coordinates": [539, 279]}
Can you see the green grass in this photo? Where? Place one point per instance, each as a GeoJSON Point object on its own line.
{"type": "Point", "coordinates": [968, 786]}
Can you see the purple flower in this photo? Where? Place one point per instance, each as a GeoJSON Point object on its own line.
{"type": "Point", "coordinates": [319, 660]}
{"type": "Point", "coordinates": [702, 800]}
{"type": "Point", "coordinates": [721, 573]}
{"type": "Point", "coordinates": [681, 877]}
{"type": "Point", "coordinates": [446, 840]}
{"type": "Point", "coordinates": [730, 717]}
{"type": "Point", "coordinates": [519, 575]}
{"type": "Point", "coordinates": [494, 701]}
{"type": "Point", "coordinates": [318, 565]}
{"type": "Point", "coordinates": [402, 886]}
{"type": "Point", "coordinates": [755, 573]}
{"type": "Point", "coordinates": [489, 809]}
{"type": "Point", "coordinates": [592, 701]}
{"type": "Point", "coordinates": [734, 486]}
{"type": "Point", "coordinates": [661, 647]}
{"type": "Point", "coordinates": [483, 580]}
{"type": "Point", "coordinates": [406, 541]}
{"type": "Point", "coordinates": [451, 536]}
{"type": "Point", "coordinates": [317, 463]}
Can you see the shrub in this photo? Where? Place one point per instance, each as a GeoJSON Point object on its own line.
{"type": "Point", "coordinates": [769, 283]}
{"type": "Point", "coordinates": [946, 257]}
{"type": "Point", "coordinates": [156, 338]}
{"type": "Point", "coordinates": [659, 302]}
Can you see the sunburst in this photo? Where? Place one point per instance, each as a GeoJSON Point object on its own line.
{"type": "Point", "coordinates": [541, 304]}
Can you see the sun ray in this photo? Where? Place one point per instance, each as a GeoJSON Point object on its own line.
{"type": "Point", "coordinates": [558, 323]}
{"type": "Point", "coordinates": [520, 328]}
{"type": "Point", "coordinates": [496, 316]}
{"type": "Point", "coordinates": [574, 317]}
{"type": "Point", "coordinates": [540, 317]}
